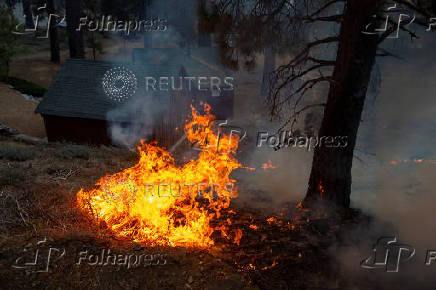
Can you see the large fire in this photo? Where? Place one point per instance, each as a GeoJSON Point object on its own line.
{"type": "Point", "coordinates": [159, 203]}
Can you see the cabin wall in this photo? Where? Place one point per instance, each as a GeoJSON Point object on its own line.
{"type": "Point", "coordinates": [76, 130]}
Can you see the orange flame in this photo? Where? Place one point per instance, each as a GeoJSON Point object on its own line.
{"type": "Point", "coordinates": [270, 267]}
{"type": "Point", "coordinates": [153, 203]}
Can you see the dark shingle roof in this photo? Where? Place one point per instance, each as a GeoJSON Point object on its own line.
{"type": "Point", "coordinates": [200, 61]}
{"type": "Point", "coordinates": [77, 89]}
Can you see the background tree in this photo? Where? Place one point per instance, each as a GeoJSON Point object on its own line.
{"type": "Point", "coordinates": [249, 28]}
{"type": "Point", "coordinates": [93, 38]}
{"type": "Point", "coordinates": [330, 178]}
{"type": "Point", "coordinates": [52, 8]}
{"type": "Point", "coordinates": [55, 55]}
{"type": "Point", "coordinates": [205, 26]}
{"type": "Point", "coordinates": [8, 40]}
{"type": "Point", "coordinates": [182, 18]}
{"type": "Point", "coordinates": [119, 9]}
{"type": "Point", "coordinates": [127, 10]}
{"type": "Point", "coordinates": [11, 3]}
{"type": "Point", "coordinates": [74, 11]}
{"type": "Point", "coordinates": [27, 9]}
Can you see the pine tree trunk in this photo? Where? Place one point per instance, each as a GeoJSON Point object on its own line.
{"type": "Point", "coordinates": [268, 67]}
{"type": "Point", "coordinates": [330, 178]}
{"type": "Point", "coordinates": [27, 9]}
{"type": "Point", "coordinates": [53, 33]}
{"type": "Point", "coordinates": [7, 64]}
{"type": "Point", "coordinates": [75, 38]}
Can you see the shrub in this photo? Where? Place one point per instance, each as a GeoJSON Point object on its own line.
{"type": "Point", "coordinates": [71, 151]}
{"type": "Point", "coordinates": [15, 153]}
{"type": "Point", "coordinates": [24, 86]}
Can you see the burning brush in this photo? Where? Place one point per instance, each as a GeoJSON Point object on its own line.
{"type": "Point", "coordinates": [132, 205]}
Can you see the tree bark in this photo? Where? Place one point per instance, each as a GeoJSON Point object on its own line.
{"type": "Point", "coordinates": [27, 9]}
{"type": "Point", "coordinates": [330, 178]}
{"type": "Point", "coordinates": [53, 33]}
{"type": "Point", "coordinates": [75, 38]}
{"type": "Point", "coordinates": [268, 68]}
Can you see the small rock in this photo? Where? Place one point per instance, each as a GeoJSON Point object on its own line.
{"type": "Point", "coordinates": [6, 131]}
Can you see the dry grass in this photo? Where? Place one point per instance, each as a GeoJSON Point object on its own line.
{"type": "Point", "coordinates": [15, 153]}
{"type": "Point", "coordinates": [37, 200]}
{"type": "Point", "coordinates": [10, 176]}
{"type": "Point", "coordinates": [71, 151]}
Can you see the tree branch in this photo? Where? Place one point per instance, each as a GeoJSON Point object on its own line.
{"type": "Point", "coordinates": [384, 52]}
{"type": "Point", "coordinates": [325, 7]}
{"type": "Point", "coordinates": [332, 18]}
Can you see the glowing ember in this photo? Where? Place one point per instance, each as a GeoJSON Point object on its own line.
{"type": "Point", "coordinates": [321, 191]}
{"type": "Point", "coordinates": [268, 165]}
{"type": "Point", "coordinates": [153, 202]}
{"type": "Point", "coordinates": [300, 208]}
{"type": "Point", "coordinates": [396, 162]}
{"type": "Point", "coordinates": [270, 267]}
{"type": "Point", "coordinates": [271, 220]}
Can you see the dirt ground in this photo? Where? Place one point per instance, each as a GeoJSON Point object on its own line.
{"type": "Point", "coordinates": [18, 113]}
